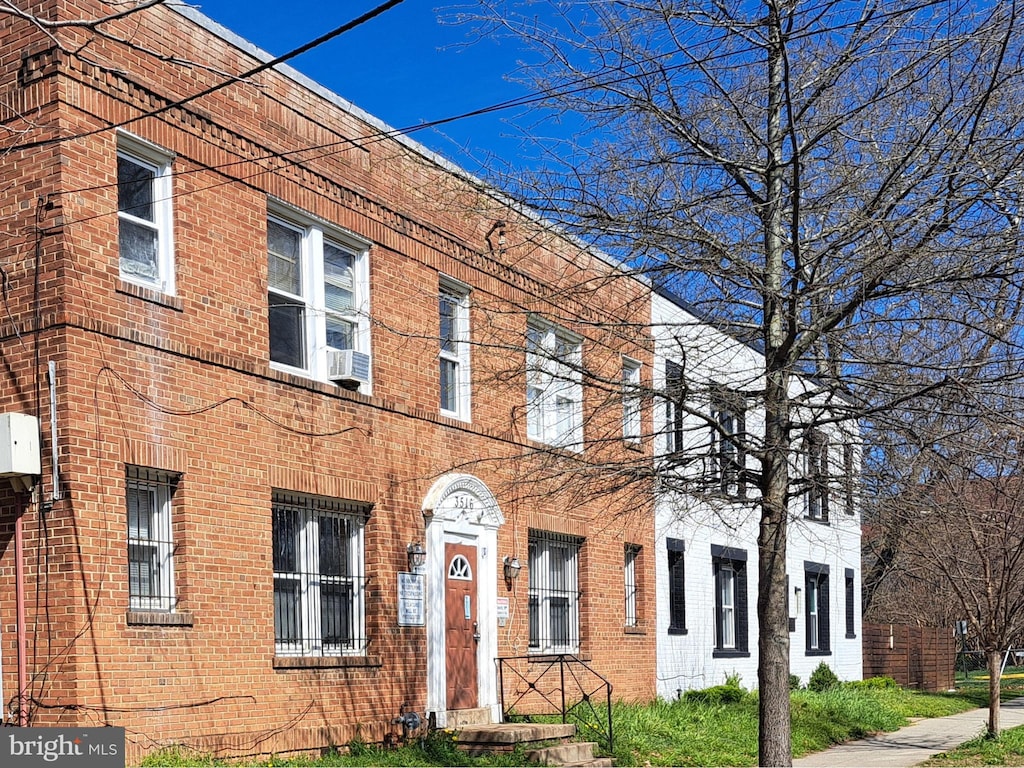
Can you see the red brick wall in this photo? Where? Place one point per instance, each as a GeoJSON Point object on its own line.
{"type": "Point", "coordinates": [183, 384]}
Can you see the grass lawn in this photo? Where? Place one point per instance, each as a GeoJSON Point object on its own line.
{"type": "Point", "coordinates": [687, 732]}
{"type": "Point", "coordinates": [716, 729]}
{"type": "Point", "coordinates": [1008, 749]}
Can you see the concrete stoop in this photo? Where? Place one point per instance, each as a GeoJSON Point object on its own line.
{"type": "Point", "coordinates": [576, 753]}
{"type": "Point", "coordinates": [463, 718]}
{"type": "Point", "coordinates": [504, 737]}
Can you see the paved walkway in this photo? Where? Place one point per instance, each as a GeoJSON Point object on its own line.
{"type": "Point", "coordinates": [915, 743]}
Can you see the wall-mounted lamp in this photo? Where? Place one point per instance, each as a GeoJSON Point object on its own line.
{"type": "Point", "coordinates": [511, 569]}
{"type": "Point", "coordinates": [417, 556]}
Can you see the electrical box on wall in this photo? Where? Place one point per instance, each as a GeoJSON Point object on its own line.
{"type": "Point", "coordinates": [19, 447]}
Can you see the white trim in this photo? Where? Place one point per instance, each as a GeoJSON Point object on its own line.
{"type": "Point", "coordinates": [459, 356]}
{"type": "Point", "coordinates": [460, 508]}
{"type": "Point", "coordinates": [632, 406]}
{"type": "Point", "coordinates": [314, 233]}
{"type": "Point", "coordinates": [554, 387]}
{"type": "Point", "coordinates": [148, 155]}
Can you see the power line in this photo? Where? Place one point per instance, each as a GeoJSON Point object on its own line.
{"type": "Point", "coordinates": [270, 64]}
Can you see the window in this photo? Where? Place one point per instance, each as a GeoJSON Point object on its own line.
{"type": "Point", "coordinates": [553, 593]}
{"type": "Point", "coordinates": [727, 455]}
{"type": "Point", "coordinates": [816, 474]}
{"type": "Point", "coordinates": [554, 393]}
{"type": "Point", "coordinates": [851, 605]}
{"type": "Point", "coordinates": [674, 394]}
{"type": "Point", "coordinates": [817, 618]}
{"type": "Point", "coordinates": [150, 540]}
{"type": "Point", "coordinates": [630, 401]}
{"type": "Point", "coordinates": [729, 568]}
{"type": "Point", "coordinates": [676, 587]}
{"type": "Point", "coordinates": [453, 358]}
{"type": "Point", "coordinates": [631, 588]}
{"type": "Point", "coordinates": [144, 241]}
{"type": "Point", "coordinates": [318, 576]}
{"type": "Point", "coordinates": [849, 479]}
{"type": "Point", "coordinates": [317, 295]}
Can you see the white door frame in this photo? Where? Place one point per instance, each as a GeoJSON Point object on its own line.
{"type": "Point", "coordinates": [460, 508]}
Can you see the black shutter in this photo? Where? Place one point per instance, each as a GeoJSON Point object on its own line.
{"type": "Point", "coordinates": [676, 587]}
{"type": "Point", "coordinates": [850, 608]}
{"type": "Point", "coordinates": [824, 625]}
{"type": "Point", "coordinates": [808, 586]}
{"type": "Point", "coordinates": [741, 605]}
{"type": "Point", "coordinates": [715, 573]}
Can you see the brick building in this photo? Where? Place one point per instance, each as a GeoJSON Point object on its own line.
{"type": "Point", "coordinates": [286, 349]}
{"type": "Point", "coordinates": [278, 356]}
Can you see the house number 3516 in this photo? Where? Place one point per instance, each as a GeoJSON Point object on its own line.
{"type": "Point", "coordinates": [464, 502]}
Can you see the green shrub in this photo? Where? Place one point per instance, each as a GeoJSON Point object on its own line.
{"type": "Point", "coordinates": [822, 679]}
{"type": "Point", "coordinates": [873, 684]}
{"type": "Point", "coordinates": [794, 682]}
{"type": "Point", "coordinates": [729, 693]}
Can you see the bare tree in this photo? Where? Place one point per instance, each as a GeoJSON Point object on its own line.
{"type": "Point", "coordinates": [817, 177]}
{"type": "Point", "coordinates": [957, 527]}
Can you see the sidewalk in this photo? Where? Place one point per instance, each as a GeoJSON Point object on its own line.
{"type": "Point", "coordinates": [915, 743]}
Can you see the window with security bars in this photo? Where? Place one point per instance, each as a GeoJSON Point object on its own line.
{"type": "Point", "coordinates": [148, 494]}
{"type": "Point", "coordinates": [554, 593]}
{"type": "Point", "coordinates": [632, 554]}
{"type": "Point", "coordinates": [319, 584]}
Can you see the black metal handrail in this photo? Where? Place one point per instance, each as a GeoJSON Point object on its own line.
{"type": "Point", "coordinates": [571, 695]}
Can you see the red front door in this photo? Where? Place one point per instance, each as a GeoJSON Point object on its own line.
{"type": "Point", "coordinates": [460, 625]}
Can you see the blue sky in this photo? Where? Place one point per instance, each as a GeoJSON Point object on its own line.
{"type": "Point", "coordinates": [404, 66]}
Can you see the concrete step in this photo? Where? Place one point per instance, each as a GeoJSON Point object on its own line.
{"type": "Point", "coordinates": [573, 753]}
{"type": "Point", "coordinates": [503, 737]}
{"type": "Point", "coordinates": [462, 718]}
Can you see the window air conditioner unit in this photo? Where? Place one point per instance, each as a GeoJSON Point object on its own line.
{"type": "Point", "coordinates": [346, 366]}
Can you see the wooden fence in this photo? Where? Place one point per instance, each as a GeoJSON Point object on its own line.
{"type": "Point", "coordinates": [915, 657]}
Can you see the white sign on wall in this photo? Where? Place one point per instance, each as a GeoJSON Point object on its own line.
{"type": "Point", "coordinates": [410, 600]}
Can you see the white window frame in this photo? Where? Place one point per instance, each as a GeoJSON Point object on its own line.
{"type": "Point", "coordinates": [151, 491]}
{"type": "Point", "coordinates": [313, 234]}
{"type": "Point", "coordinates": [726, 588]}
{"type": "Point", "coordinates": [453, 351]}
{"type": "Point", "coordinates": [554, 388]}
{"type": "Point", "coordinates": [547, 585]}
{"type": "Point", "coordinates": [158, 161]}
{"type": "Point", "coordinates": [306, 575]}
{"type": "Point", "coordinates": [814, 613]}
{"type": "Point", "coordinates": [818, 610]}
{"type": "Point", "coordinates": [631, 401]}
{"type": "Point", "coordinates": [629, 583]}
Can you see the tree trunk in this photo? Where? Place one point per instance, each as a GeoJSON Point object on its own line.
{"type": "Point", "coordinates": [995, 668]}
{"type": "Point", "coordinates": [774, 748]}
{"type": "Point", "coordinates": [774, 745]}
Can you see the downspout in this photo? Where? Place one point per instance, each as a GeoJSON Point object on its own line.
{"type": "Point", "coordinates": [19, 589]}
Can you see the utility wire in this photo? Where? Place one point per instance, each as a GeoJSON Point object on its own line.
{"type": "Point", "coordinates": [346, 27]}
